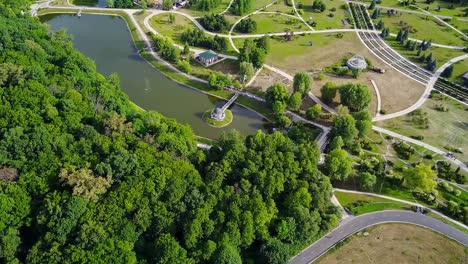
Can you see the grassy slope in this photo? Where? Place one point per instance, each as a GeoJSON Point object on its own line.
{"type": "Point", "coordinates": [370, 203]}
{"type": "Point", "coordinates": [323, 20]}
{"type": "Point", "coordinates": [397, 243]}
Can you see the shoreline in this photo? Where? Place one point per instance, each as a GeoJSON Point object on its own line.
{"type": "Point", "coordinates": [159, 64]}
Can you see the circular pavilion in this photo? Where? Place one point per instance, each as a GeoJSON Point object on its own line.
{"type": "Point", "coordinates": [357, 63]}
{"type": "Point", "coordinates": [218, 114]}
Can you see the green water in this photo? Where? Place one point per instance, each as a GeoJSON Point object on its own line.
{"type": "Point", "coordinates": [107, 41]}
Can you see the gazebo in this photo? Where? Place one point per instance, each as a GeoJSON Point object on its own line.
{"type": "Point", "coordinates": [357, 63]}
{"type": "Point", "coordinates": [208, 57]}
{"type": "Point", "coordinates": [218, 114]}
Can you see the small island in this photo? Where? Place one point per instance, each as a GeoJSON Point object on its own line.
{"type": "Point", "coordinates": [217, 117]}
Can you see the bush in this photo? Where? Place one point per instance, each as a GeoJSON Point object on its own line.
{"type": "Point", "coordinates": [185, 66]}
{"type": "Point", "coordinates": [313, 113]}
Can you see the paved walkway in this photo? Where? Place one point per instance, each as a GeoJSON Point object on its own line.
{"type": "Point", "coordinates": [355, 224]}
{"type": "Point", "coordinates": [426, 93]}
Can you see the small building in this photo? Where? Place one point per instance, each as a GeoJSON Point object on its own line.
{"type": "Point", "coordinates": [218, 114]}
{"type": "Point", "coordinates": [208, 57]}
{"type": "Point", "coordinates": [465, 78]}
{"type": "Point", "coordinates": [357, 63]}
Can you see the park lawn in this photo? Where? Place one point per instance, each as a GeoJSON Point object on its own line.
{"type": "Point", "coordinates": [360, 204]}
{"type": "Point", "coordinates": [459, 68]}
{"type": "Point", "coordinates": [423, 27]}
{"type": "Point", "coordinates": [460, 25]}
{"type": "Point", "coordinates": [198, 13]}
{"type": "Point", "coordinates": [259, 4]}
{"type": "Point", "coordinates": [457, 9]}
{"type": "Point", "coordinates": [445, 128]}
{"type": "Point", "coordinates": [396, 243]}
{"type": "Point", "coordinates": [173, 30]}
{"type": "Point", "coordinates": [273, 23]}
{"type": "Point", "coordinates": [297, 54]}
{"type": "Point", "coordinates": [323, 20]}
{"type": "Point", "coordinates": [282, 7]}
{"type": "Point", "coordinates": [441, 55]}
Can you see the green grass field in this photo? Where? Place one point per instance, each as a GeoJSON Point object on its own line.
{"type": "Point", "coordinates": [272, 23]}
{"type": "Point", "coordinates": [423, 27]}
{"type": "Point", "coordinates": [459, 69]}
{"type": "Point", "coordinates": [445, 128]}
{"type": "Point", "coordinates": [161, 24]}
{"type": "Point", "coordinates": [282, 7]}
{"type": "Point", "coordinates": [360, 204]}
{"type": "Point", "coordinates": [324, 20]}
{"type": "Point", "coordinates": [447, 8]}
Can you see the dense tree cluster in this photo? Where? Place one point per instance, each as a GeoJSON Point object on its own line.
{"type": "Point", "coordinates": [120, 3]}
{"type": "Point", "coordinates": [355, 96]}
{"type": "Point", "coordinates": [214, 22]}
{"type": "Point", "coordinates": [247, 25]}
{"type": "Point", "coordinates": [319, 6]}
{"type": "Point", "coordinates": [255, 51]}
{"type": "Point", "coordinates": [165, 46]}
{"type": "Point", "coordinates": [241, 7]}
{"type": "Point", "coordinates": [86, 177]}
{"type": "Point", "coordinates": [205, 5]}
{"type": "Point", "coordinates": [198, 38]}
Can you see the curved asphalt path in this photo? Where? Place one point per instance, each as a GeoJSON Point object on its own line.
{"type": "Point", "coordinates": [355, 224]}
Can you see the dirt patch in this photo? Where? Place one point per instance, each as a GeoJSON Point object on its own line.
{"type": "Point", "coordinates": [267, 78]}
{"type": "Point", "coordinates": [398, 243]}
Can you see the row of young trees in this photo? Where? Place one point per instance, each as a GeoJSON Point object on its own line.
{"type": "Point", "coordinates": [85, 176]}
{"type": "Point", "coordinates": [198, 38]}
{"type": "Point", "coordinates": [214, 23]}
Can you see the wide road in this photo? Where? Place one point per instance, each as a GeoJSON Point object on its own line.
{"type": "Point", "coordinates": [355, 224]}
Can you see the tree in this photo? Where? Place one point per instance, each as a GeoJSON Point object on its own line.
{"type": "Point", "coordinates": [314, 112]}
{"type": "Point", "coordinates": [246, 71]}
{"type": "Point", "coordinates": [172, 18]}
{"type": "Point", "coordinates": [264, 43]}
{"type": "Point", "coordinates": [85, 184]}
{"type": "Point", "coordinates": [302, 83]}
{"type": "Point", "coordinates": [295, 101]}
{"type": "Point", "coordinates": [336, 143]}
{"type": "Point", "coordinates": [227, 254]}
{"type": "Point", "coordinates": [447, 73]}
{"type": "Point", "coordinates": [363, 122]}
{"type": "Point", "coordinates": [367, 180]}
{"type": "Point", "coordinates": [420, 178]}
{"type": "Point", "coordinates": [372, 5]}
{"type": "Point", "coordinates": [345, 127]}
{"type": "Point", "coordinates": [186, 49]}
{"type": "Point", "coordinates": [167, 4]}
{"type": "Point", "coordinates": [276, 93]}
{"type": "Point", "coordinates": [274, 252]}
{"type": "Point", "coordinates": [167, 250]}
{"type": "Point", "coordinates": [355, 96]}
{"type": "Point", "coordinates": [247, 25]}
{"type": "Point", "coordinates": [318, 5]}
{"type": "Point", "coordinates": [338, 165]}
{"type": "Point", "coordinates": [328, 92]}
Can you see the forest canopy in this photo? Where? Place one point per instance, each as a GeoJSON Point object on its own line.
{"type": "Point", "coordinates": [86, 177]}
